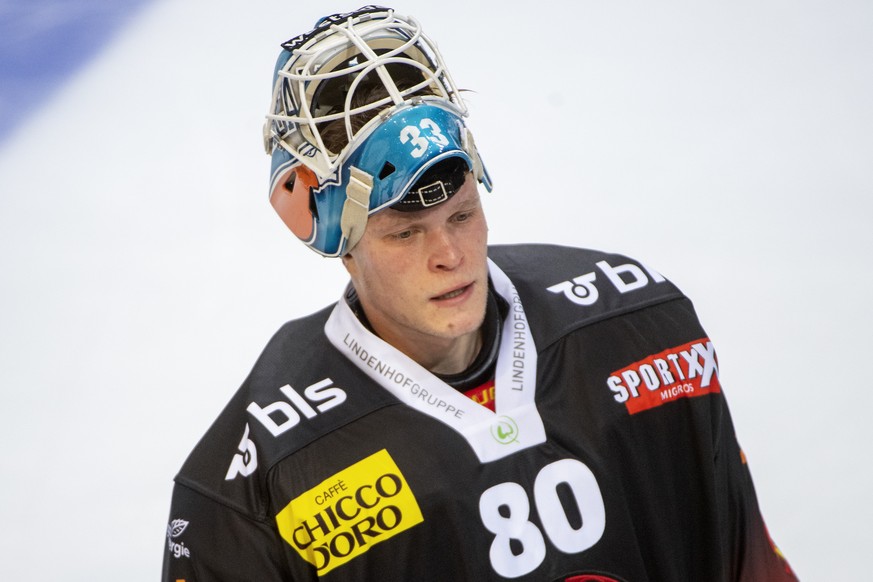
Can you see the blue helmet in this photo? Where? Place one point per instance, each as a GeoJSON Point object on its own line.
{"type": "Point", "coordinates": [362, 108]}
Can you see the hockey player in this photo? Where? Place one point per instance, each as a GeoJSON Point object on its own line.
{"type": "Point", "coordinates": [463, 412]}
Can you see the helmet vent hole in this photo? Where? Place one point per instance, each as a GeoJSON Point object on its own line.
{"type": "Point", "coordinates": [387, 170]}
{"type": "Point", "coordinates": [289, 185]}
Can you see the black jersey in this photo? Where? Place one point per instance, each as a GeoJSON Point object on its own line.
{"type": "Point", "coordinates": [610, 455]}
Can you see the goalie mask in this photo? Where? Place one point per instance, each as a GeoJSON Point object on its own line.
{"type": "Point", "coordinates": [363, 111]}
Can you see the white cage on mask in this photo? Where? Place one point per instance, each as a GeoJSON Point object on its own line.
{"type": "Point", "coordinates": [320, 74]}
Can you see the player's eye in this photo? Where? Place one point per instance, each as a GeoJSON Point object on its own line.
{"type": "Point", "coordinates": [402, 235]}
{"type": "Point", "coordinates": [463, 216]}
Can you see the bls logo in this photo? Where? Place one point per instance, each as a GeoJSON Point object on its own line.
{"type": "Point", "coordinates": [323, 394]}
{"type": "Point", "coordinates": [628, 277]}
{"type": "Point", "coordinates": [246, 461]}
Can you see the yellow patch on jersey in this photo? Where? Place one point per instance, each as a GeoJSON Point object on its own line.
{"type": "Point", "coordinates": [348, 513]}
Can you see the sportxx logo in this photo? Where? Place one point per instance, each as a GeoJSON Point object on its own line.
{"type": "Point", "coordinates": [280, 416]}
{"type": "Point", "coordinates": [681, 372]}
{"type": "Point", "coordinates": [581, 290]}
{"type": "Point", "coordinates": [348, 513]}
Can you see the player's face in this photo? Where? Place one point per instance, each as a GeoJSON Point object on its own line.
{"type": "Point", "coordinates": [422, 277]}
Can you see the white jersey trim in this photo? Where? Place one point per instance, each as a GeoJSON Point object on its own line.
{"type": "Point", "coordinates": [516, 425]}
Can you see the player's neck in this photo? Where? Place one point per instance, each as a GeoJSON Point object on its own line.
{"type": "Point", "coordinates": [439, 355]}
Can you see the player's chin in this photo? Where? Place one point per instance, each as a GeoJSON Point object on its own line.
{"type": "Point", "coordinates": [463, 322]}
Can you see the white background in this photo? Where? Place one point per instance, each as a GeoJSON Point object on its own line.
{"type": "Point", "coordinates": [727, 144]}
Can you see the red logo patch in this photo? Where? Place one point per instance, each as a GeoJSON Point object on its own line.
{"type": "Point", "coordinates": [483, 395]}
{"type": "Point", "coordinates": [590, 578]}
{"type": "Point", "coordinates": [685, 371]}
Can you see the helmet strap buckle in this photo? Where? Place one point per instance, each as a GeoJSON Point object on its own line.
{"type": "Point", "coordinates": [356, 207]}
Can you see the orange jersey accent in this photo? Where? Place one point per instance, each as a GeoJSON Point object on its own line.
{"type": "Point", "coordinates": [483, 394]}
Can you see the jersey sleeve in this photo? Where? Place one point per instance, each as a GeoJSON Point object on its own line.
{"type": "Point", "coordinates": [753, 555]}
{"type": "Point", "coordinates": [210, 542]}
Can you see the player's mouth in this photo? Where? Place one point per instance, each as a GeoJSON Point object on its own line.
{"type": "Point", "coordinates": [454, 293]}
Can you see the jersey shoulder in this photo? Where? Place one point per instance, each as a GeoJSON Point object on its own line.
{"type": "Point", "coordinates": [566, 288]}
{"type": "Point", "coordinates": [299, 390]}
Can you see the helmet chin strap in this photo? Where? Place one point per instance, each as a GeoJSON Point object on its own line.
{"type": "Point", "coordinates": [356, 207]}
